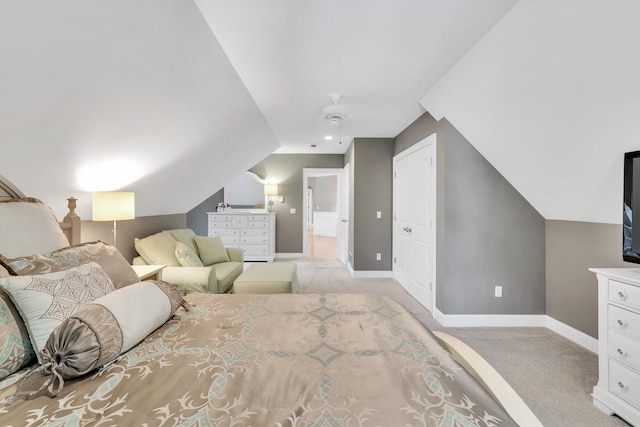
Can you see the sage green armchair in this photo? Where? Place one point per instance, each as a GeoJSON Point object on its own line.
{"type": "Point", "coordinates": [193, 263]}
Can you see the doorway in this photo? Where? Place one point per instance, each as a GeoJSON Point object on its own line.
{"type": "Point", "coordinates": [324, 217]}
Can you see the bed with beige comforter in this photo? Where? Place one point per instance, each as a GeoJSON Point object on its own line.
{"type": "Point", "coordinates": [274, 360]}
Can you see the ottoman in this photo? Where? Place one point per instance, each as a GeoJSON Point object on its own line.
{"type": "Point", "coordinates": [268, 278]}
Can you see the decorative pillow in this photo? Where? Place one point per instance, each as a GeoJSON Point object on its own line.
{"type": "Point", "coordinates": [46, 300]}
{"type": "Point", "coordinates": [187, 256]}
{"type": "Point", "coordinates": [98, 333]}
{"type": "Point", "coordinates": [28, 226]}
{"type": "Point", "coordinates": [15, 348]}
{"type": "Point", "coordinates": [3, 271]}
{"type": "Point", "coordinates": [158, 248]}
{"type": "Point", "coordinates": [186, 236]}
{"type": "Point", "coordinates": [108, 257]}
{"type": "Point", "coordinates": [212, 250]}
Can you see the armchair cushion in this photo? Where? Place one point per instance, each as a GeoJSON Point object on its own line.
{"type": "Point", "coordinates": [212, 250]}
{"type": "Point", "coordinates": [158, 248]}
{"type": "Point", "coordinates": [187, 256]}
{"type": "Point", "coordinates": [186, 236]}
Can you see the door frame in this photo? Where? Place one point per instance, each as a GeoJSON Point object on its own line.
{"type": "Point", "coordinates": [311, 172]}
{"type": "Point", "coordinates": [419, 294]}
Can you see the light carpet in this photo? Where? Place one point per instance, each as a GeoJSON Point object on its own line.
{"type": "Point", "coordinates": [554, 376]}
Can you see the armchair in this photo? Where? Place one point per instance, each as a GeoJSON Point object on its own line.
{"type": "Point", "coordinates": [193, 263]}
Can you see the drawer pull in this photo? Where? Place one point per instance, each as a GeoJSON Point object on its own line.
{"type": "Point", "coordinates": [620, 322]}
{"type": "Point", "coordinates": [621, 385]}
{"type": "Point", "coordinates": [621, 352]}
{"type": "Point", "coordinates": [621, 295]}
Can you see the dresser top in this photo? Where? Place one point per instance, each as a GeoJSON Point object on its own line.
{"type": "Point", "coordinates": [628, 275]}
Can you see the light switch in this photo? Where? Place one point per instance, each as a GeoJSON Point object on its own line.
{"type": "Point", "coordinates": [379, 214]}
{"type": "Point", "coordinates": [292, 211]}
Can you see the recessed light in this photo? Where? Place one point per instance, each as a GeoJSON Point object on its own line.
{"type": "Point", "coordinates": [328, 138]}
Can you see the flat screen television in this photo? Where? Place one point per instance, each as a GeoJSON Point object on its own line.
{"type": "Point", "coordinates": [631, 208]}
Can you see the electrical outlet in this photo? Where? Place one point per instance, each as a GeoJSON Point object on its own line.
{"type": "Point", "coordinates": [378, 257]}
{"type": "Point", "coordinates": [498, 291]}
{"type": "Point", "coordinates": [379, 214]}
{"type": "Point", "coordinates": [292, 211]}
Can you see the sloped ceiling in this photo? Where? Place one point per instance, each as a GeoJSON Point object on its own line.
{"type": "Point", "coordinates": [133, 95]}
{"type": "Point", "coordinates": [551, 97]}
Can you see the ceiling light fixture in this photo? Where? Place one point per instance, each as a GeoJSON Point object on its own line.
{"type": "Point", "coordinates": [335, 112]}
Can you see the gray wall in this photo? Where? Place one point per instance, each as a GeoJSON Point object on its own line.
{"type": "Point", "coordinates": [286, 171]}
{"type": "Point", "coordinates": [572, 248]}
{"type": "Point", "coordinates": [325, 193]}
{"type": "Point", "coordinates": [128, 230]}
{"type": "Point", "coordinates": [197, 217]}
{"type": "Point", "coordinates": [371, 185]}
{"type": "Point", "coordinates": [488, 234]}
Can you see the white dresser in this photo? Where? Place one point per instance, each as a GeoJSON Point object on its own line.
{"type": "Point", "coordinates": [618, 388]}
{"type": "Point", "coordinates": [254, 232]}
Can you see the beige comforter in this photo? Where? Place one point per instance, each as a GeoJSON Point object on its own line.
{"type": "Point", "coordinates": [274, 360]}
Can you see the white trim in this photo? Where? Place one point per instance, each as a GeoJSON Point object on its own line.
{"type": "Point", "coordinates": [572, 334]}
{"type": "Point", "coordinates": [289, 255]}
{"type": "Point", "coordinates": [517, 320]}
{"type": "Point", "coordinates": [362, 274]}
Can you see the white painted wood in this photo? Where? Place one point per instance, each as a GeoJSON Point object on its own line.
{"type": "Point", "coordinates": [414, 237]}
{"type": "Point", "coordinates": [618, 388]}
{"type": "Point", "coordinates": [342, 230]}
{"type": "Point", "coordinates": [254, 232]}
{"type": "Point", "coordinates": [325, 223]}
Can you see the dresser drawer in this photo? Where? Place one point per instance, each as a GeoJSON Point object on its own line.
{"type": "Point", "coordinates": [258, 217]}
{"type": "Point", "coordinates": [624, 349]}
{"type": "Point", "coordinates": [254, 240]}
{"type": "Point", "coordinates": [240, 221]}
{"type": "Point", "coordinates": [221, 224]}
{"type": "Point", "coordinates": [225, 232]}
{"type": "Point", "coordinates": [624, 294]}
{"type": "Point", "coordinates": [624, 383]}
{"type": "Point", "coordinates": [221, 217]}
{"type": "Point", "coordinates": [230, 240]}
{"type": "Point", "coordinates": [624, 321]}
{"type": "Point", "coordinates": [255, 232]}
{"type": "Point", "coordinates": [258, 225]}
{"type": "Point", "coordinates": [256, 250]}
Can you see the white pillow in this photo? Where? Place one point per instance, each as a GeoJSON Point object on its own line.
{"type": "Point", "coordinates": [28, 227]}
{"type": "Point", "coordinates": [45, 301]}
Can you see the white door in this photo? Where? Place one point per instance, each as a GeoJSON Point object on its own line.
{"type": "Point", "coordinates": [414, 221]}
{"type": "Point", "coordinates": [342, 231]}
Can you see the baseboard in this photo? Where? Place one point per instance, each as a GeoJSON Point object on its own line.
{"type": "Point", "coordinates": [517, 320]}
{"type": "Point", "coordinates": [360, 274]}
{"type": "Point", "coordinates": [572, 334]}
{"type": "Point", "coordinates": [292, 255]}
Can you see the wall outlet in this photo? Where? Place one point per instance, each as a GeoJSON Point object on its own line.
{"type": "Point", "coordinates": [379, 214]}
{"type": "Point", "coordinates": [292, 211]}
{"type": "Point", "coordinates": [498, 291]}
{"type": "Point", "coordinates": [378, 257]}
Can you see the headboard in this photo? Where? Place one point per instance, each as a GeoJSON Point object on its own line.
{"type": "Point", "coordinates": [70, 224]}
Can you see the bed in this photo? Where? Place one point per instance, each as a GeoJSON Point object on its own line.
{"type": "Point", "coordinates": [275, 360]}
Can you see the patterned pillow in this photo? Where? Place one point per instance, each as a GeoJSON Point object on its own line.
{"type": "Point", "coordinates": [15, 348]}
{"type": "Point", "coordinates": [108, 257]}
{"type": "Point", "coordinates": [46, 300]}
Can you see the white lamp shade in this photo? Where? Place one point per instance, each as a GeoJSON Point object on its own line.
{"type": "Point", "coordinates": [271, 189]}
{"type": "Point", "coordinates": [113, 205]}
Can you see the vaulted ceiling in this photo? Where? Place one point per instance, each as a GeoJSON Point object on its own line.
{"type": "Point", "coordinates": [174, 99]}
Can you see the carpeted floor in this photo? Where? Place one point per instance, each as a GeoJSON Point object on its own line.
{"type": "Point", "coordinates": [553, 375]}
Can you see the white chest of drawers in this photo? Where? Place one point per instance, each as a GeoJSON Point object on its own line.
{"type": "Point", "coordinates": [618, 388]}
{"type": "Point", "coordinates": [254, 232]}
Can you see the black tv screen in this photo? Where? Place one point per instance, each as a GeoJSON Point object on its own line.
{"type": "Point", "coordinates": [631, 208]}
